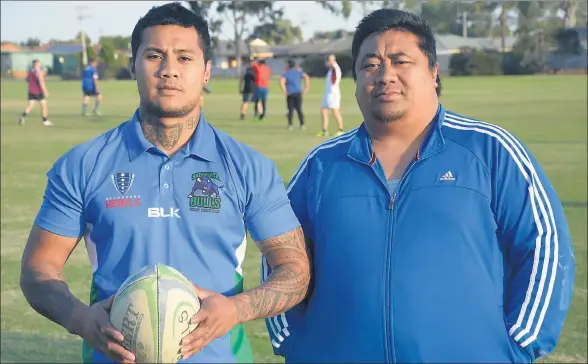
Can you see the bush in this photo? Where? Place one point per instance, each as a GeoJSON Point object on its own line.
{"type": "Point", "coordinates": [71, 75]}
{"type": "Point", "coordinates": [123, 74]}
{"type": "Point", "coordinates": [472, 62]}
{"type": "Point", "coordinates": [345, 62]}
{"type": "Point", "coordinates": [512, 64]}
{"type": "Point", "coordinates": [315, 65]}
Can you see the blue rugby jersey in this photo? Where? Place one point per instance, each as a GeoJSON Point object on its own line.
{"type": "Point", "coordinates": [88, 76]}
{"type": "Point", "coordinates": [136, 206]}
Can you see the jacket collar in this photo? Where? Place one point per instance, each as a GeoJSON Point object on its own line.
{"type": "Point", "coordinates": [362, 151]}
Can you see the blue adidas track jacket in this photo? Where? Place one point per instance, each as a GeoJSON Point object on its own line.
{"type": "Point", "coordinates": [470, 260]}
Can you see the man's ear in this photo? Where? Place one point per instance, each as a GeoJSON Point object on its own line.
{"type": "Point", "coordinates": [435, 74]}
{"type": "Point", "coordinates": [131, 66]}
{"type": "Point", "coordinates": [207, 71]}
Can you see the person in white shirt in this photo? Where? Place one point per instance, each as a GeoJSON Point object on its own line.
{"type": "Point", "coordinates": [332, 97]}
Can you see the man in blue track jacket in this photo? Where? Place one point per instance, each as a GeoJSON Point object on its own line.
{"type": "Point", "coordinates": [435, 237]}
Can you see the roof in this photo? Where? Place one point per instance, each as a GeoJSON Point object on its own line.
{"type": "Point", "coordinates": [259, 48]}
{"type": "Point", "coordinates": [65, 48]}
{"type": "Point", "coordinates": [9, 47]}
{"type": "Point", "coordinates": [322, 46]}
{"type": "Point", "coordinates": [227, 48]}
{"type": "Point", "coordinates": [445, 44]}
{"type": "Point", "coordinates": [448, 42]}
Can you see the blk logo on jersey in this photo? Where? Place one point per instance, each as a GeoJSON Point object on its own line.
{"type": "Point", "coordinates": [160, 212]}
{"type": "Point", "coordinates": [122, 181]}
{"type": "Point", "coordinates": [205, 196]}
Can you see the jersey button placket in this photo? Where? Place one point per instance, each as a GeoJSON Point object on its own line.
{"type": "Point", "coordinates": [166, 181]}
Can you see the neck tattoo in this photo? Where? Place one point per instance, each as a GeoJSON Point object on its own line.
{"type": "Point", "coordinates": [167, 136]}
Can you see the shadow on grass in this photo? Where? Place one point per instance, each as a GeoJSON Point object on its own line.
{"type": "Point", "coordinates": [22, 347]}
{"type": "Point", "coordinates": [578, 204]}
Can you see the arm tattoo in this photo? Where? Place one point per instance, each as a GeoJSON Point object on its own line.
{"type": "Point", "coordinates": [286, 286]}
{"type": "Point", "coordinates": [50, 296]}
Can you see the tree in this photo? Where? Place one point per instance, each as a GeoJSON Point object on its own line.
{"type": "Point", "coordinates": [342, 8]}
{"type": "Point", "coordinates": [279, 31]}
{"type": "Point", "coordinates": [441, 16]}
{"type": "Point", "coordinates": [239, 14]}
{"type": "Point", "coordinates": [31, 42]}
{"type": "Point", "coordinates": [531, 42]}
{"type": "Point", "coordinates": [332, 34]}
{"type": "Point", "coordinates": [203, 8]}
{"type": "Point", "coordinates": [568, 41]}
{"type": "Point", "coordinates": [78, 39]}
{"type": "Point", "coordinates": [118, 42]}
{"type": "Point", "coordinates": [106, 54]}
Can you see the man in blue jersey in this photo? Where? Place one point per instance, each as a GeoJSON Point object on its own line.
{"type": "Point", "coordinates": [291, 84]}
{"type": "Point", "coordinates": [90, 88]}
{"type": "Point", "coordinates": [435, 237]}
{"type": "Point", "coordinates": [166, 187]}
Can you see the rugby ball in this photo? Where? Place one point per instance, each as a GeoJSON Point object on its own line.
{"type": "Point", "coordinates": [152, 309]}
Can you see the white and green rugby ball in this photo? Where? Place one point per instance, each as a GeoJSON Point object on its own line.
{"type": "Point", "coordinates": [152, 309]}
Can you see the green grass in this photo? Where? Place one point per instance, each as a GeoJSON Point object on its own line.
{"type": "Point", "coordinates": [547, 113]}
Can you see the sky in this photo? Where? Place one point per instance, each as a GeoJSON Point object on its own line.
{"type": "Point", "coordinates": [45, 20]}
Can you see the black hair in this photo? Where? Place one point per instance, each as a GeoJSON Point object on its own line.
{"type": "Point", "coordinates": [392, 19]}
{"type": "Point", "coordinates": [261, 61]}
{"type": "Point", "coordinates": [172, 14]}
{"type": "Point", "coordinates": [291, 63]}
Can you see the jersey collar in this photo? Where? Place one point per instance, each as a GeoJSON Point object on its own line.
{"type": "Point", "coordinates": [201, 145]}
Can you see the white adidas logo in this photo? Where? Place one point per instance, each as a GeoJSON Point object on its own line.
{"type": "Point", "coordinates": [447, 177]}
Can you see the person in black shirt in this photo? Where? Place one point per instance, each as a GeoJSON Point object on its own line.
{"type": "Point", "coordinates": [247, 89]}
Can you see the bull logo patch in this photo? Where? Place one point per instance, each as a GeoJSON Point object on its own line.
{"type": "Point", "coordinates": [205, 196]}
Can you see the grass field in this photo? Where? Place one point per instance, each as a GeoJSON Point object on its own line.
{"type": "Point", "coordinates": [548, 113]}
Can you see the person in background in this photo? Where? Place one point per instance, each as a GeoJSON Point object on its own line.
{"type": "Point", "coordinates": [247, 89]}
{"type": "Point", "coordinates": [90, 88]}
{"type": "Point", "coordinates": [262, 78]}
{"type": "Point", "coordinates": [37, 92]}
{"type": "Point", "coordinates": [332, 97]}
{"type": "Point", "coordinates": [291, 84]}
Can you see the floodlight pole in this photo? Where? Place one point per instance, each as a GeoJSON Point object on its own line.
{"type": "Point", "coordinates": [81, 18]}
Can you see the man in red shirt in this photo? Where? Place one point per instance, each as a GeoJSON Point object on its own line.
{"type": "Point", "coordinates": [262, 76]}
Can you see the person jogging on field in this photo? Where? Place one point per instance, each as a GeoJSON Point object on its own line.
{"type": "Point", "coordinates": [37, 90]}
{"type": "Point", "coordinates": [291, 84]}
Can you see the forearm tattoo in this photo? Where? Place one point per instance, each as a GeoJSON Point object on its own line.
{"type": "Point", "coordinates": [286, 286]}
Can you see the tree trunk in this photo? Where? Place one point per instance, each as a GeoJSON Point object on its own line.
{"type": "Point", "coordinates": [503, 26]}
{"type": "Point", "coordinates": [569, 20]}
{"type": "Point", "coordinates": [238, 53]}
{"type": "Point", "coordinates": [238, 36]}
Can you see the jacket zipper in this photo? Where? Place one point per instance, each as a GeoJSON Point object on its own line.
{"type": "Point", "coordinates": [391, 355]}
